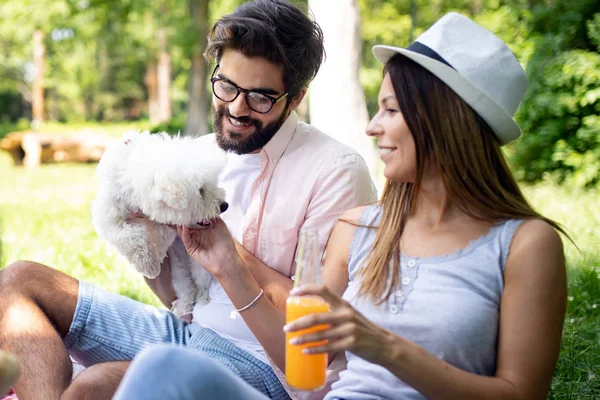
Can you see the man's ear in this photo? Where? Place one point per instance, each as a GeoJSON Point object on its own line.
{"type": "Point", "coordinates": [297, 99]}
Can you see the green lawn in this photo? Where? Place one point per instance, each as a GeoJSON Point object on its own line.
{"type": "Point", "coordinates": [45, 216]}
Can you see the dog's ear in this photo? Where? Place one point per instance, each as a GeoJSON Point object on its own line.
{"type": "Point", "coordinates": [171, 194]}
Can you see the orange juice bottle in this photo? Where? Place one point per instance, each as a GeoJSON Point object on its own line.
{"type": "Point", "coordinates": [305, 371]}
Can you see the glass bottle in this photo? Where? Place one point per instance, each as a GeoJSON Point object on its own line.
{"type": "Point", "coordinates": [305, 371]}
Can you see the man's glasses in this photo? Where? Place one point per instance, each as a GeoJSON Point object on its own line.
{"type": "Point", "coordinates": [228, 92]}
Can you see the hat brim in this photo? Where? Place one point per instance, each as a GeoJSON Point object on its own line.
{"type": "Point", "coordinates": [501, 122]}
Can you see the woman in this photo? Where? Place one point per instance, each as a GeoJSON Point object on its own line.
{"type": "Point", "coordinates": [452, 286]}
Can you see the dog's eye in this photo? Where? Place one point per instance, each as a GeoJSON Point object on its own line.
{"type": "Point", "coordinates": [202, 192]}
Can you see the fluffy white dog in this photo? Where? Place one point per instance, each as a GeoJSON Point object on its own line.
{"type": "Point", "coordinates": [170, 181]}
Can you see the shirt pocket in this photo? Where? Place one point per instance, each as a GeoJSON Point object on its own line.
{"type": "Point", "coordinates": [278, 247]}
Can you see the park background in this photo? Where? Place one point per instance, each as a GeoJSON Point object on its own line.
{"type": "Point", "coordinates": [103, 66]}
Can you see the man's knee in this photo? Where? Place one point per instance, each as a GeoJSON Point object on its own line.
{"type": "Point", "coordinates": [97, 382]}
{"type": "Point", "coordinates": [51, 290]}
{"type": "Point", "coordinates": [24, 276]}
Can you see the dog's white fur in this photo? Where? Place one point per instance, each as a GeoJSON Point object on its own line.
{"type": "Point", "coordinates": [171, 181]}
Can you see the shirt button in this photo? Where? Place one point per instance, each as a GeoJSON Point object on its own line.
{"type": "Point", "coordinates": [405, 281]}
{"type": "Point", "coordinates": [394, 309]}
{"type": "Point", "coordinates": [293, 278]}
{"type": "Point", "coordinates": [399, 293]}
{"type": "Point", "coordinates": [412, 263]}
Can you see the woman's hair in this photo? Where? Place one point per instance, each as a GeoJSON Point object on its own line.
{"type": "Point", "coordinates": [276, 30]}
{"type": "Point", "coordinates": [458, 143]}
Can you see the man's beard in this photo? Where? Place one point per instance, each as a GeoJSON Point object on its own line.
{"type": "Point", "coordinates": [234, 143]}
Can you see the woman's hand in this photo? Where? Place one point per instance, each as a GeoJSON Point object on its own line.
{"type": "Point", "coordinates": [348, 329]}
{"type": "Point", "coordinates": [211, 247]}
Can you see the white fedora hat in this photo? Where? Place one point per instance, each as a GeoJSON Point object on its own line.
{"type": "Point", "coordinates": [475, 64]}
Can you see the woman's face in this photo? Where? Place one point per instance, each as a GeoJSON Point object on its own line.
{"type": "Point", "coordinates": [394, 139]}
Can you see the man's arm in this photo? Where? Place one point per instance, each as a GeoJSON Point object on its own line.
{"type": "Point", "coordinates": [344, 185]}
{"type": "Point", "coordinates": [275, 285]}
{"type": "Point", "coordinates": [162, 286]}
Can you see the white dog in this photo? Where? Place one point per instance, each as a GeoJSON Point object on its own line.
{"type": "Point", "coordinates": [170, 181]}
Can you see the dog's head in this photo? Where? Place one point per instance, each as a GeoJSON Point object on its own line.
{"type": "Point", "coordinates": [184, 188]}
{"type": "Point", "coordinates": [114, 169]}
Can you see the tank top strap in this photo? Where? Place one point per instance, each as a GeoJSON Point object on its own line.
{"type": "Point", "coordinates": [506, 234]}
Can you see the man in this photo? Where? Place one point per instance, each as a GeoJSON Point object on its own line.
{"type": "Point", "coordinates": [281, 176]}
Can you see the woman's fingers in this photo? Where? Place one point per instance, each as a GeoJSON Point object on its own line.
{"type": "Point", "coordinates": [334, 333]}
{"type": "Point", "coordinates": [334, 300]}
{"type": "Point", "coordinates": [333, 346]}
{"type": "Point", "coordinates": [330, 318]}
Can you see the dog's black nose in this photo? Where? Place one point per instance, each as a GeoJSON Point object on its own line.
{"type": "Point", "coordinates": [224, 206]}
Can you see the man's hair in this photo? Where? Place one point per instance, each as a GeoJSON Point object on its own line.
{"type": "Point", "coordinates": [275, 30]}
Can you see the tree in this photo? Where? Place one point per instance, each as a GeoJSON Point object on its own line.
{"type": "Point", "coordinates": [337, 100]}
{"type": "Point", "coordinates": [197, 111]}
{"type": "Point", "coordinates": [39, 55]}
{"type": "Point", "coordinates": [561, 112]}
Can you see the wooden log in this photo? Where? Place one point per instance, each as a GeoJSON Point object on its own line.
{"type": "Point", "coordinates": [31, 149]}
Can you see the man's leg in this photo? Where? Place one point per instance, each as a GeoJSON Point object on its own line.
{"type": "Point", "coordinates": [167, 372]}
{"type": "Point", "coordinates": [98, 382]}
{"type": "Point", "coordinates": [37, 305]}
{"type": "Point", "coordinates": [95, 326]}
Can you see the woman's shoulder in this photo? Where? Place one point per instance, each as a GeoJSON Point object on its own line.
{"type": "Point", "coordinates": [535, 232]}
{"type": "Point", "coordinates": [356, 215]}
{"type": "Point", "coordinates": [353, 215]}
{"type": "Point", "coordinates": [536, 248]}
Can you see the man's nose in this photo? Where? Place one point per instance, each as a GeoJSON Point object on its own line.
{"type": "Point", "coordinates": [239, 107]}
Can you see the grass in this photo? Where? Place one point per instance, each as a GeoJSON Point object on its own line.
{"type": "Point", "coordinates": [45, 216]}
{"type": "Point", "coordinates": [577, 374]}
{"type": "Point", "coordinates": [113, 129]}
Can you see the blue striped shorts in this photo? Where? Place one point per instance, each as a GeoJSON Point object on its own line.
{"type": "Point", "coordinates": [110, 327]}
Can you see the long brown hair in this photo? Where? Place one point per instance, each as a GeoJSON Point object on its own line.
{"type": "Point", "coordinates": [453, 138]}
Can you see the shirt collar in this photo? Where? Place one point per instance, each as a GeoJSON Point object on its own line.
{"type": "Point", "coordinates": [279, 142]}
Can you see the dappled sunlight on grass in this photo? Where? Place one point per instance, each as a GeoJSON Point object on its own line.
{"type": "Point", "coordinates": [110, 129]}
{"type": "Point", "coordinates": [46, 218]}
{"type": "Point", "coordinates": [578, 212]}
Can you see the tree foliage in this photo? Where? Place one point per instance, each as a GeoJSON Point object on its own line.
{"type": "Point", "coordinates": [561, 113]}
{"type": "Point", "coordinates": [98, 53]}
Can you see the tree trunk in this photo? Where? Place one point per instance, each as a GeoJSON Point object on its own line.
{"type": "Point", "coordinates": [337, 100]}
{"type": "Point", "coordinates": [151, 81]}
{"type": "Point", "coordinates": [476, 7]}
{"type": "Point", "coordinates": [164, 79]}
{"type": "Point", "coordinates": [197, 114]}
{"type": "Point", "coordinates": [39, 55]}
{"type": "Point", "coordinates": [413, 19]}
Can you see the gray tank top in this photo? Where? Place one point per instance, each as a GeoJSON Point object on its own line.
{"type": "Point", "coordinates": [449, 305]}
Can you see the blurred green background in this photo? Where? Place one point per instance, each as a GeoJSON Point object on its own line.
{"type": "Point", "coordinates": [68, 66]}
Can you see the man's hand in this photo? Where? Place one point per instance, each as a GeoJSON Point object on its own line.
{"type": "Point", "coordinates": [211, 247]}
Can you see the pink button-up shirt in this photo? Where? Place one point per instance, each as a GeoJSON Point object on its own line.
{"type": "Point", "coordinates": [306, 181]}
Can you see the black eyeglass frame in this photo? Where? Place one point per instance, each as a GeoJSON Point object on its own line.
{"type": "Point", "coordinates": [274, 100]}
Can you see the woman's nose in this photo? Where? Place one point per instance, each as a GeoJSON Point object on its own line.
{"type": "Point", "coordinates": [374, 127]}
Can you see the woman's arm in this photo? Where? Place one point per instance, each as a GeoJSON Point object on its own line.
{"type": "Point", "coordinates": [531, 317]}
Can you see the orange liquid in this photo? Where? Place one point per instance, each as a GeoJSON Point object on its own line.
{"type": "Point", "coordinates": [304, 371]}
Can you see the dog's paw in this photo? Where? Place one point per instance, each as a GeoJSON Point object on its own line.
{"type": "Point", "coordinates": [182, 308]}
{"type": "Point", "coordinates": [202, 297]}
{"type": "Point", "coordinates": [149, 270]}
